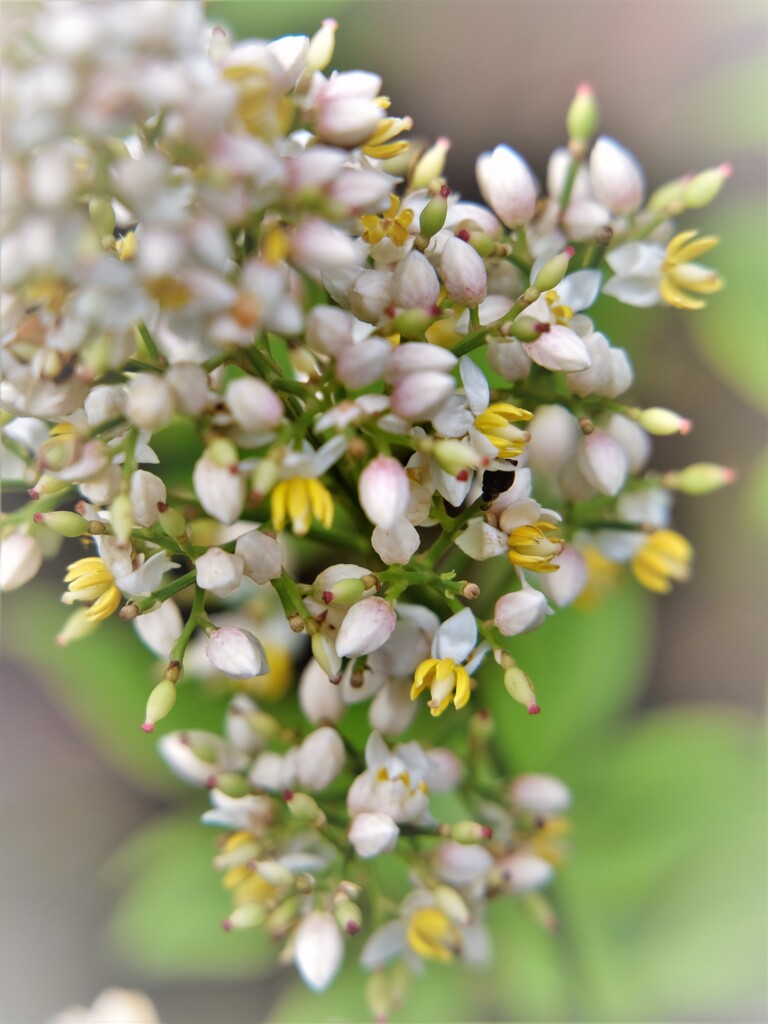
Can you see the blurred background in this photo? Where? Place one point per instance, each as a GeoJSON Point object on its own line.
{"type": "Point", "coordinates": [653, 709]}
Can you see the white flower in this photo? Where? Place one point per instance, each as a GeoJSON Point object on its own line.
{"type": "Point", "coordinates": [615, 176]}
{"type": "Point", "coordinates": [602, 461]}
{"type": "Point", "coordinates": [236, 653]}
{"type": "Point", "coordinates": [196, 756]}
{"type": "Point", "coordinates": [318, 949]}
{"type": "Point", "coordinates": [254, 405]}
{"type": "Point", "coordinates": [384, 491]}
{"type": "Point", "coordinates": [150, 402]}
{"type": "Point", "coordinates": [638, 270]}
{"type": "Point", "coordinates": [319, 699]}
{"type": "Point", "coordinates": [372, 834]}
{"type": "Point", "coordinates": [147, 493]}
{"type": "Point", "coordinates": [320, 758]}
{"type": "Point", "coordinates": [219, 488]}
{"type": "Point", "coordinates": [396, 545]}
{"type": "Point", "coordinates": [219, 572]}
{"type": "Point", "coordinates": [507, 185]}
{"type": "Point", "coordinates": [20, 560]}
{"type": "Point", "coordinates": [261, 555]}
{"type": "Point", "coordinates": [394, 782]}
{"type": "Point", "coordinates": [161, 628]}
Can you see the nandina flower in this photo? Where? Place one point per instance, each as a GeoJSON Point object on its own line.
{"type": "Point", "coordinates": [647, 273]}
{"type": "Point", "coordinates": [455, 656]}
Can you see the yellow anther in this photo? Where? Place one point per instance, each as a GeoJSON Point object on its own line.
{"type": "Point", "coordinates": [531, 547]}
{"type": "Point", "coordinates": [390, 224]}
{"type": "Point", "coordinates": [301, 500]}
{"type": "Point", "coordinates": [665, 558]}
{"type": "Point", "coordinates": [495, 424]}
{"type": "Point", "coordinates": [562, 313]}
{"type": "Point", "coordinates": [680, 276]}
{"type": "Point", "coordinates": [90, 581]}
{"type": "Point", "coordinates": [432, 934]}
{"type": "Point", "coordinates": [446, 682]}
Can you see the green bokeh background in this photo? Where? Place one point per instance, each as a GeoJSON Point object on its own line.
{"type": "Point", "coordinates": [652, 708]}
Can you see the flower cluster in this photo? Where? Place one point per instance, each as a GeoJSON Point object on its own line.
{"type": "Point", "coordinates": [385, 385]}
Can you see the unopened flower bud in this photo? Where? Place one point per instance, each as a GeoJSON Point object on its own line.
{"type": "Point", "coordinates": [264, 477]}
{"type": "Point", "coordinates": [366, 627]}
{"type": "Point", "coordinates": [463, 273]}
{"type": "Point", "coordinates": [413, 323]}
{"type": "Point", "coordinates": [702, 188]}
{"type": "Point", "coordinates": [275, 873]}
{"type": "Point", "coordinates": [47, 485]}
{"type": "Point", "coordinates": [520, 612]}
{"type": "Point", "coordinates": [324, 653]}
{"type": "Point", "coordinates": [468, 832]}
{"type": "Point", "coordinates": [261, 555]}
{"type": "Point", "coordinates": [231, 784]}
{"type": "Point", "coordinates": [218, 484]}
{"type": "Point", "coordinates": [160, 703]}
{"type": "Point", "coordinates": [430, 165]}
{"type": "Point", "coordinates": [540, 794]}
{"type": "Point", "coordinates": [699, 478]}
{"type": "Point", "coordinates": [236, 653]}
{"type": "Point", "coordinates": [320, 701]}
{"type": "Point", "coordinates": [452, 903]}
{"type": "Point", "coordinates": [349, 916]}
{"type": "Point", "coordinates": [521, 871]}
{"type": "Point", "coordinates": [172, 522]}
{"type": "Point", "coordinates": [616, 176]}
{"type": "Point", "coordinates": [507, 185]}
{"type": "Point", "coordinates": [661, 422]}
{"type": "Point", "coordinates": [603, 462]}
{"type": "Point", "coordinates": [150, 403]}
{"type": "Point", "coordinates": [415, 284]}
{"type": "Point", "coordinates": [433, 216]}
{"type": "Point", "coordinates": [525, 328]}
{"type": "Point", "coordinates": [668, 198]}
{"type": "Point", "coordinates": [384, 491]}
{"type": "Point", "coordinates": [219, 572]}
{"type": "Point", "coordinates": [378, 995]}
{"type": "Point", "coordinates": [282, 918]}
{"type": "Point", "coordinates": [455, 457]}
{"type": "Point", "coordinates": [520, 688]}
{"type": "Point", "coordinates": [322, 45]}
{"type": "Point", "coordinates": [121, 517]}
{"type": "Point", "coordinates": [66, 524]}
{"type": "Point", "coordinates": [147, 492]}
{"type": "Point", "coordinates": [320, 758]}
{"type": "Point", "coordinates": [418, 397]}
{"type": "Point", "coordinates": [303, 806]}
{"type": "Point", "coordinates": [76, 627]}
{"type": "Point", "coordinates": [253, 404]}
{"type": "Point", "coordinates": [318, 949]}
{"type": "Point", "coordinates": [247, 915]}
{"type": "Point", "coordinates": [372, 833]}
{"type": "Point", "coordinates": [581, 119]}
{"type": "Point", "coordinates": [554, 270]}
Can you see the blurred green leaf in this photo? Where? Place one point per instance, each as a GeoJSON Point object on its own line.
{"type": "Point", "coordinates": [268, 19]}
{"type": "Point", "coordinates": [102, 684]}
{"type": "Point", "coordinates": [171, 904]}
{"type": "Point", "coordinates": [588, 667]}
{"type": "Point", "coordinates": [734, 97]}
{"type": "Point", "coordinates": [755, 497]}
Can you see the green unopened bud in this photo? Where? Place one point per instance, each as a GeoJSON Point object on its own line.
{"type": "Point", "coordinates": [520, 688]}
{"type": "Point", "coordinates": [47, 485]}
{"type": "Point", "coordinates": [349, 916]}
{"type": "Point", "coordinates": [481, 242]}
{"type": "Point", "coordinates": [661, 422]}
{"type": "Point", "coordinates": [699, 478]}
{"type": "Point", "coordinates": [160, 702]}
{"type": "Point", "coordinates": [433, 215]}
{"type": "Point", "coordinates": [77, 626]}
{"type": "Point", "coordinates": [264, 477]}
{"type": "Point", "coordinates": [582, 116]}
{"type": "Point", "coordinates": [66, 524]}
{"type": "Point", "coordinates": [554, 270]}
{"type": "Point", "coordinates": [345, 592]}
{"type": "Point", "coordinates": [412, 323]}
{"type": "Point", "coordinates": [172, 522]}
{"type": "Point", "coordinates": [275, 873]}
{"type": "Point", "coordinates": [203, 751]}
{"type": "Point", "coordinates": [481, 726]}
{"type": "Point", "coordinates": [236, 856]}
{"type": "Point", "coordinates": [668, 198]}
{"type": "Point", "coordinates": [456, 457]}
{"type": "Point", "coordinates": [702, 188]}
{"type": "Point", "coordinates": [468, 832]}
{"type": "Point", "coordinates": [102, 215]}
{"type": "Point", "coordinates": [231, 784]}
{"type": "Point", "coordinates": [121, 517]}
{"type": "Point", "coordinates": [524, 328]}
{"type": "Point", "coordinates": [247, 915]}
{"type": "Point", "coordinates": [281, 919]}
{"type": "Point", "coordinates": [59, 452]}
{"type": "Point", "coordinates": [378, 996]}
{"type": "Point", "coordinates": [322, 45]}
{"type": "Point", "coordinates": [431, 164]}
{"type": "Point", "coordinates": [304, 807]}
{"type": "Point", "coordinates": [223, 452]}
{"type": "Point", "coordinates": [264, 724]}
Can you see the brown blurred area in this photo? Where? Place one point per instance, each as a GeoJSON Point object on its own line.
{"type": "Point", "coordinates": [483, 72]}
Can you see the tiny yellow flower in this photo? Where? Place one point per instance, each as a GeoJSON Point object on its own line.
{"type": "Point", "coordinates": [530, 547]}
{"type": "Point", "coordinates": [90, 581]}
{"type": "Point", "coordinates": [301, 500]}
{"type": "Point", "coordinates": [432, 935]}
{"type": "Point", "coordinates": [663, 559]}
{"type": "Point", "coordinates": [495, 424]}
{"type": "Point", "coordinates": [390, 224]}
{"type": "Point", "coordinates": [445, 681]}
{"type": "Point", "coordinates": [679, 276]}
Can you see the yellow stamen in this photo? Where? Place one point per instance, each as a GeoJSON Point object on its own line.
{"type": "Point", "coordinates": [432, 934]}
{"type": "Point", "coordinates": [680, 276]}
{"type": "Point", "coordinates": [531, 548]}
{"type": "Point", "coordinates": [664, 558]}
{"type": "Point", "coordinates": [495, 424]}
{"type": "Point", "coordinates": [301, 500]}
{"type": "Point", "coordinates": [390, 224]}
{"type": "Point", "coordinates": [562, 313]}
{"type": "Point", "coordinates": [446, 682]}
{"type": "Point", "coordinates": [90, 581]}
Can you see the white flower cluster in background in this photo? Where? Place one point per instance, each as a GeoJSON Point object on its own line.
{"type": "Point", "coordinates": [385, 386]}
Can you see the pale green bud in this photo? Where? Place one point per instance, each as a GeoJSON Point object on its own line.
{"type": "Point", "coordinates": [451, 903]}
{"type": "Point", "coordinates": [275, 873]}
{"type": "Point", "coordinates": [322, 45]}
{"type": "Point", "coordinates": [660, 422]}
{"type": "Point", "coordinates": [232, 784]}
{"type": "Point", "coordinates": [172, 522]}
{"type": "Point", "coordinates": [66, 524]}
{"type": "Point", "coordinates": [349, 916]}
{"type": "Point", "coordinates": [469, 832]}
{"type": "Point", "coordinates": [223, 452]}
{"type": "Point", "coordinates": [160, 702]}
{"type": "Point", "coordinates": [430, 164]}
{"type": "Point", "coordinates": [668, 197]}
{"type": "Point", "coordinates": [520, 688]}
{"type": "Point", "coordinates": [455, 456]}
{"type": "Point", "coordinates": [247, 915]}
{"type": "Point", "coordinates": [434, 213]}
{"type": "Point", "coordinates": [581, 119]}
{"type": "Point", "coordinates": [699, 478]}
{"type": "Point", "coordinates": [47, 485]}
{"type": "Point", "coordinates": [304, 807]}
{"type": "Point", "coordinates": [702, 188]}
{"type": "Point", "coordinates": [554, 270]}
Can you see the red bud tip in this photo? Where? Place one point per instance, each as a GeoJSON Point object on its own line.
{"type": "Point", "coordinates": [686, 427]}
{"type": "Point", "coordinates": [352, 928]}
{"type": "Point", "coordinates": [148, 727]}
{"type": "Point", "coordinates": [463, 235]}
{"type": "Point", "coordinates": [569, 251]}
{"type": "Point", "coordinates": [487, 832]}
{"type": "Point", "coordinates": [226, 924]}
{"type": "Point", "coordinates": [234, 469]}
{"type": "Point", "coordinates": [444, 191]}
{"type": "Point", "coordinates": [726, 170]}
{"type": "Point", "coordinates": [436, 311]}
{"type": "Point", "coordinates": [462, 475]}
{"type": "Point", "coordinates": [162, 506]}
{"type": "Point", "coordinates": [584, 89]}
{"type": "Point", "coordinates": [542, 328]}
{"type": "Point", "coordinates": [533, 709]}
{"type": "Point", "coordinates": [33, 494]}
{"type": "Point", "coordinates": [37, 517]}
{"type": "Point", "coordinates": [484, 714]}
{"type": "Point", "coordinates": [287, 795]}
{"type": "Point", "coordinates": [391, 312]}
{"type": "Point", "coordinates": [210, 782]}
{"type": "Point", "coordinates": [327, 596]}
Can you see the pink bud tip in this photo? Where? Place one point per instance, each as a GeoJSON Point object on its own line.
{"type": "Point", "coordinates": [148, 727]}
{"type": "Point", "coordinates": [463, 235]}
{"type": "Point", "coordinates": [330, 23]}
{"type": "Point", "coordinates": [726, 170]}
{"type": "Point", "coordinates": [33, 494]}
{"type": "Point", "coordinates": [730, 474]}
{"type": "Point", "coordinates": [352, 928]}
{"type": "Point", "coordinates": [210, 782]}
{"type": "Point", "coordinates": [226, 924]}
{"type": "Point", "coordinates": [584, 89]}
{"type": "Point", "coordinates": [287, 795]}
{"type": "Point", "coordinates": [569, 251]}
{"type": "Point", "coordinates": [533, 709]}
{"type": "Point", "coordinates": [327, 596]}
{"type": "Point", "coordinates": [443, 141]}
{"type": "Point", "coordinates": [686, 427]}
{"type": "Point", "coordinates": [487, 832]}
{"type": "Point", "coordinates": [38, 517]}
{"type": "Point", "coordinates": [444, 191]}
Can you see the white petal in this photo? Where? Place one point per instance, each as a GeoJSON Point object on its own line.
{"type": "Point", "coordinates": [580, 289]}
{"type": "Point", "coordinates": [475, 385]}
{"type": "Point", "coordinates": [456, 636]}
{"type": "Point", "coordinates": [318, 949]}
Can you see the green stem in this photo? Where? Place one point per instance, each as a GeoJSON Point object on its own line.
{"type": "Point", "coordinates": [475, 338]}
{"type": "Point", "coordinates": [445, 540]}
{"type": "Point", "coordinates": [198, 604]}
{"type": "Point", "coordinates": [290, 598]}
{"type": "Point", "coordinates": [17, 448]}
{"type": "Point", "coordinates": [570, 178]}
{"type": "Point", "coordinates": [149, 344]}
{"type": "Point", "coordinates": [144, 604]}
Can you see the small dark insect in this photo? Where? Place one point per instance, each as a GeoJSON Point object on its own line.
{"type": "Point", "coordinates": [496, 481]}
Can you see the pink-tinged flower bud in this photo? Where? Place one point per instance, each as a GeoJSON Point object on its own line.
{"type": "Point", "coordinates": [318, 949]}
{"type": "Point", "coordinates": [346, 112]}
{"type": "Point", "coordinates": [415, 284]}
{"type": "Point", "coordinates": [581, 119]}
{"type": "Point", "coordinates": [320, 701]}
{"type": "Point", "coordinates": [702, 188]}
{"type": "Point", "coordinates": [261, 555]}
{"type": "Point", "coordinates": [661, 422]}
{"type": "Point", "coordinates": [602, 461]}
{"type": "Point", "coordinates": [366, 626]}
{"type": "Point", "coordinates": [189, 383]}
{"type": "Point", "coordinates": [329, 330]}
{"type": "Point", "coordinates": [554, 435]}
{"type": "Point", "coordinates": [322, 45]}
{"type": "Point", "coordinates": [463, 273]}
{"type": "Point", "coordinates": [699, 478]}
{"type": "Point", "coordinates": [396, 545]}
{"type": "Point", "coordinates": [418, 397]}
{"type": "Point", "coordinates": [317, 246]}
{"type": "Point", "coordinates": [430, 164]}
{"type": "Point", "coordinates": [384, 491]}
{"type": "Point", "coordinates": [616, 176]}
{"type": "Point", "coordinates": [509, 360]}
{"type": "Point", "coordinates": [392, 710]}
{"type": "Point", "coordinates": [147, 492]}
{"type": "Point", "coordinates": [539, 794]}
{"type": "Point", "coordinates": [359, 365]}
{"type": "Point", "coordinates": [236, 653]}
{"type": "Point", "coordinates": [320, 758]}
{"type": "Point", "coordinates": [372, 834]}
{"type": "Point", "coordinates": [522, 872]}
{"type": "Point", "coordinates": [160, 703]}
{"type": "Point", "coordinates": [150, 403]}
{"type": "Point", "coordinates": [507, 185]}
{"type": "Point", "coordinates": [371, 295]}
{"type": "Point", "coordinates": [219, 572]}
{"type": "Point", "coordinates": [220, 489]}
{"type": "Point", "coordinates": [633, 439]}
{"type": "Point", "coordinates": [419, 357]}
{"type": "Point", "coordinates": [324, 653]}
{"type": "Point", "coordinates": [520, 612]}
{"type": "Point", "coordinates": [565, 585]}
{"type": "Point", "coordinates": [253, 404]}
{"type": "Point", "coordinates": [20, 560]}
{"type": "Point", "coordinates": [520, 688]}
{"type": "Point", "coordinates": [469, 832]}
{"type": "Point", "coordinates": [558, 349]}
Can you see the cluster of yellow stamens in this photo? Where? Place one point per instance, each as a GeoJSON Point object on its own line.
{"type": "Point", "coordinates": [562, 313]}
{"type": "Point", "coordinates": [380, 144]}
{"type": "Point", "coordinates": [433, 935]}
{"type": "Point", "coordinates": [90, 581]}
{"type": "Point", "coordinates": [534, 546]}
{"type": "Point", "coordinates": [663, 559]}
{"type": "Point", "coordinates": [445, 681]}
{"type": "Point", "coordinates": [680, 276]}
{"type": "Point", "coordinates": [495, 424]}
{"type": "Point", "coordinates": [390, 224]}
{"type": "Point", "coordinates": [301, 500]}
